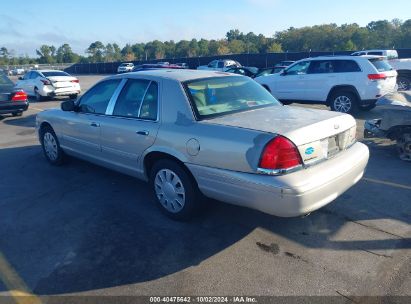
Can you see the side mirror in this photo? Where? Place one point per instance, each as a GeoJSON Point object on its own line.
{"type": "Point", "coordinates": [283, 73]}
{"type": "Point", "coordinates": [68, 106]}
{"type": "Point", "coordinates": [20, 78]}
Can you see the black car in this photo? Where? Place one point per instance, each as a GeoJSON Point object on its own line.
{"type": "Point", "coordinates": [246, 71]}
{"type": "Point", "coordinates": [12, 100]}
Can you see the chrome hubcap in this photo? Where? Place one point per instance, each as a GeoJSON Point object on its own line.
{"type": "Point", "coordinates": [50, 146]}
{"type": "Point", "coordinates": [169, 190]}
{"type": "Point", "coordinates": [342, 104]}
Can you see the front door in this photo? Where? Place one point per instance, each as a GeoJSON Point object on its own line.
{"type": "Point", "coordinates": [133, 125]}
{"type": "Point", "coordinates": [82, 128]}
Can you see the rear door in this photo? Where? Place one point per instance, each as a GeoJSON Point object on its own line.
{"type": "Point", "coordinates": [81, 130]}
{"type": "Point", "coordinates": [133, 125]}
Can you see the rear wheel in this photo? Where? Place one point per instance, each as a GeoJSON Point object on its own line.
{"type": "Point", "coordinates": [404, 146]}
{"type": "Point", "coordinates": [73, 96]}
{"type": "Point", "coordinates": [51, 147]}
{"type": "Point", "coordinates": [37, 95]}
{"type": "Point", "coordinates": [344, 102]}
{"type": "Point", "coordinates": [175, 191]}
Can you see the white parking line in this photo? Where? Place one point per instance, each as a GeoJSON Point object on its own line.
{"type": "Point", "coordinates": [37, 109]}
{"type": "Point", "coordinates": [396, 185]}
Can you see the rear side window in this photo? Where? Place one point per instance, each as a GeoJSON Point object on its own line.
{"type": "Point", "coordinates": [345, 66]}
{"type": "Point", "coordinates": [129, 101]}
{"type": "Point", "coordinates": [149, 107]}
{"type": "Point", "coordinates": [375, 53]}
{"type": "Point", "coordinates": [97, 98]}
{"type": "Point", "coordinates": [381, 64]}
{"type": "Point", "coordinates": [220, 64]}
{"type": "Point", "coordinates": [321, 66]}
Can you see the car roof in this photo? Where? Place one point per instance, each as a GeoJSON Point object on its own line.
{"type": "Point", "coordinates": [347, 57]}
{"type": "Point", "coordinates": [175, 74]}
{"type": "Point", "coordinates": [41, 71]}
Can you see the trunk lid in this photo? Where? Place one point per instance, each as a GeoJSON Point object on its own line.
{"type": "Point", "coordinates": [317, 134]}
{"type": "Point", "coordinates": [62, 81]}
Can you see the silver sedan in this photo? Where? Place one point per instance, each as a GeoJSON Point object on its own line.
{"type": "Point", "coordinates": [197, 134]}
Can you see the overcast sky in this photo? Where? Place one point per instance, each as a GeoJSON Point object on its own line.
{"type": "Point", "coordinates": [25, 25]}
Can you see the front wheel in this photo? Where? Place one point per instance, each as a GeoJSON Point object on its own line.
{"type": "Point", "coordinates": [51, 147]}
{"type": "Point", "coordinates": [403, 83]}
{"type": "Point", "coordinates": [175, 191]}
{"type": "Point", "coordinates": [344, 102]}
{"type": "Point", "coordinates": [37, 95]}
{"type": "Point", "coordinates": [73, 96]}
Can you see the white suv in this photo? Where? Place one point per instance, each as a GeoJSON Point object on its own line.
{"type": "Point", "coordinates": [125, 67]}
{"type": "Point", "coordinates": [345, 83]}
{"type": "Point", "coordinates": [220, 65]}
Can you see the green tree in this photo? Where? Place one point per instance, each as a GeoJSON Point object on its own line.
{"type": "Point", "coordinates": [65, 54]}
{"type": "Point", "coordinates": [96, 51]}
{"type": "Point", "coordinates": [46, 54]}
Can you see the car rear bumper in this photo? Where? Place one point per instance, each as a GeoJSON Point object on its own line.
{"type": "Point", "coordinates": [288, 195]}
{"type": "Point", "coordinates": [13, 107]}
{"type": "Point", "coordinates": [52, 91]}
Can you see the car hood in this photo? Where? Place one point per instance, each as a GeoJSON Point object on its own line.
{"type": "Point", "coordinates": [301, 125]}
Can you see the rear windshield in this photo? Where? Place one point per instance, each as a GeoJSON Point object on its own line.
{"type": "Point", "coordinates": [126, 64]}
{"type": "Point", "coordinates": [56, 73]}
{"type": "Point", "coordinates": [381, 64]}
{"type": "Point", "coordinates": [218, 96]}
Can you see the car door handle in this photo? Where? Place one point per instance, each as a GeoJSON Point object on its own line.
{"type": "Point", "coordinates": [143, 132]}
{"type": "Point", "coordinates": [94, 124]}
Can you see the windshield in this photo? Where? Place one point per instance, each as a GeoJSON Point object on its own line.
{"type": "Point", "coordinates": [381, 64]}
{"type": "Point", "coordinates": [56, 73]}
{"type": "Point", "coordinates": [225, 95]}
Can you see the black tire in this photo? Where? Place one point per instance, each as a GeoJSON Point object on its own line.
{"type": "Point", "coordinates": [17, 114]}
{"type": "Point", "coordinates": [175, 205]}
{"type": "Point", "coordinates": [344, 102]}
{"type": "Point", "coordinates": [73, 96]}
{"type": "Point", "coordinates": [404, 83]}
{"type": "Point", "coordinates": [46, 135]}
{"type": "Point", "coordinates": [368, 107]}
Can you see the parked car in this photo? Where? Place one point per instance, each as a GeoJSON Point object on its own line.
{"type": "Point", "coordinates": [125, 67]}
{"type": "Point", "coordinates": [16, 72]}
{"type": "Point", "coordinates": [12, 100]}
{"type": "Point", "coordinates": [182, 64]}
{"type": "Point", "coordinates": [44, 84]}
{"type": "Point", "coordinates": [220, 65]}
{"type": "Point", "coordinates": [245, 71]}
{"type": "Point", "coordinates": [394, 124]}
{"type": "Point", "coordinates": [284, 63]}
{"type": "Point", "coordinates": [402, 66]}
{"type": "Point", "coordinates": [345, 83]}
{"type": "Point", "coordinates": [268, 71]}
{"type": "Point", "coordinates": [155, 66]}
{"type": "Point", "coordinates": [201, 133]}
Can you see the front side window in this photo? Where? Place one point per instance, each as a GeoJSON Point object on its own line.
{"type": "Point", "coordinates": [224, 95]}
{"type": "Point", "coordinates": [97, 98]}
{"type": "Point", "coordinates": [220, 64]}
{"type": "Point", "coordinates": [298, 68]}
{"type": "Point", "coordinates": [213, 64]}
{"type": "Point", "coordinates": [129, 101]}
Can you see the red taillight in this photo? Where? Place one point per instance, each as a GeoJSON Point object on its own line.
{"type": "Point", "coordinates": [45, 81]}
{"type": "Point", "coordinates": [280, 153]}
{"type": "Point", "coordinates": [75, 80]}
{"type": "Point", "coordinates": [377, 76]}
{"type": "Point", "coordinates": [19, 96]}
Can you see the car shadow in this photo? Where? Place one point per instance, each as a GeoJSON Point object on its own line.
{"type": "Point", "coordinates": [28, 121]}
{"type": "Point", "coordinates": [81, 227]}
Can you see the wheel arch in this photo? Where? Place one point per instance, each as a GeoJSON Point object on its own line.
{"type": "Point", "coordinates": [404, 73]}
{"type": "Point", "coordinates": [155, 155]}
{"type": "Point", "coordinates": [342, 87]}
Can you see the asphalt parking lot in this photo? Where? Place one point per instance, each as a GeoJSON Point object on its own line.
{"type": "Point", "coordinates": [82, 229]}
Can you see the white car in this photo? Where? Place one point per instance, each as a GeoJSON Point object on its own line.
{"type": "Point", "coordinates": [402, 66]}
{"type": "Point", "coordinates": [49, 83]}
{"type": "Point", "coordinates": [220, 65]}
{"type": "Point", "coordinates": [345, 83]}
{"type": "Point", "coordinates": [125, 67]}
